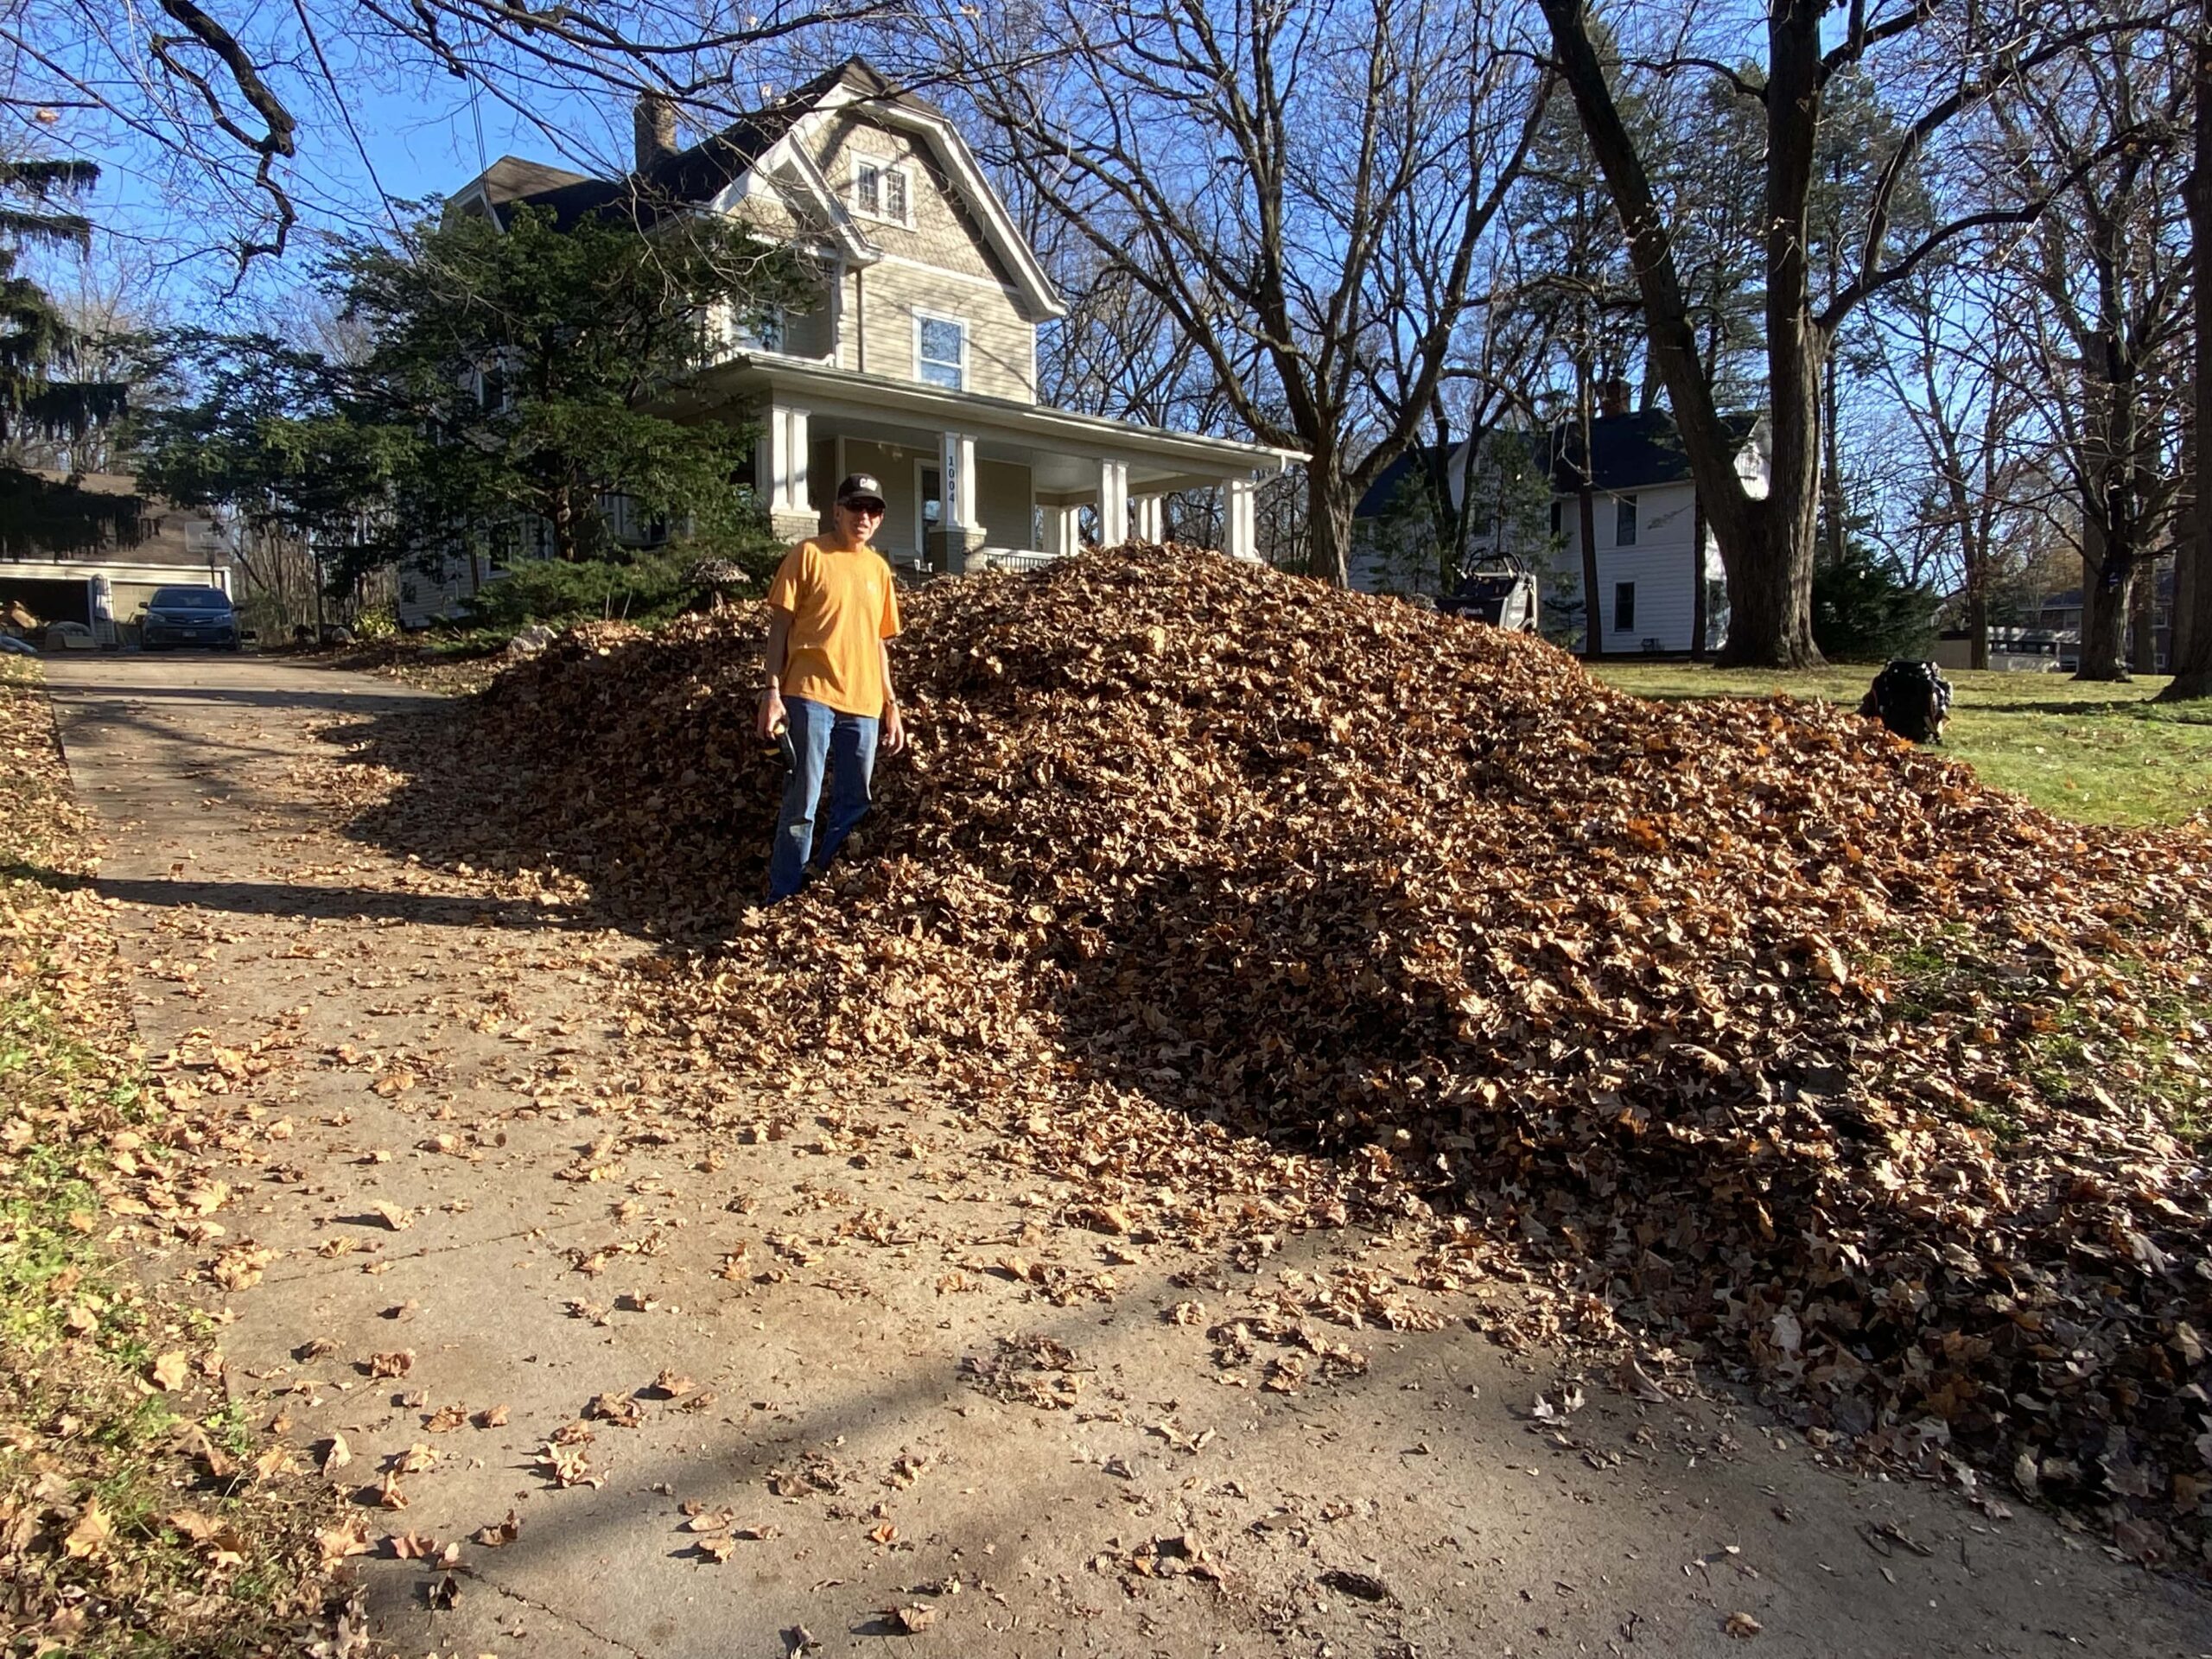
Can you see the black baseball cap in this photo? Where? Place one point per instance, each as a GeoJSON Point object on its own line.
{"type": "Point", "coordinates": [860, 489]}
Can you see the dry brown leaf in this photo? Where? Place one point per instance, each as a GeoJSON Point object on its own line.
{"type": "Point", "coordinates": [90, 1535]}
{"type": "Point", "coordinates": [500, 1532]}
{"type": "Point", "coordinates": [620, 1409]}
{"type": "Point", "coordinates": [349, 1537]}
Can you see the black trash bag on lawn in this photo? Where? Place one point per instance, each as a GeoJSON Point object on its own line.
{"type": "Point", "coordinates": [1912, 699]}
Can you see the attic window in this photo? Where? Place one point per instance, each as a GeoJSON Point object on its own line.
{"type": "Point", "coordinates": [879, 190]}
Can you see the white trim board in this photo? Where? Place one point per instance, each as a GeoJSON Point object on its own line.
{"type": "Point", "coordinates": [968, 276]}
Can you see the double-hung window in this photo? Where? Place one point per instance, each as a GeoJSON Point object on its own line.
{"type": "Point", "coordinates": [941, 352]}
{"type": "Point", "coordinates": [881, 190]}
{"type": "Point", "coordinates": [1624, 521]}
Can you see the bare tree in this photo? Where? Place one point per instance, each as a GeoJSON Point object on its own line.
{"type": "Point", "coordinates": [1304, 190]}
{"type": "Point", "coordinates": [2107, 303]}
{"type": "Point", "coordinates": [221, 98]}
{"type": "Point", "coordinates": [2192, 634]}
{"type": "Point", "coordinates": [1943, 70]}
{"type": "Point", "coordinates": [1980, 447]}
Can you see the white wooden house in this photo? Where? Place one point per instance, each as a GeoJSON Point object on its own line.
{"type": "Point", "coordinates": [1654, 548]}
{"type": "Point", "coordinates": [916, 359]}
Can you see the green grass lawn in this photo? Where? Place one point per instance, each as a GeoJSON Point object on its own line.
{"type": "Point", "coordinates": [2100, 753]}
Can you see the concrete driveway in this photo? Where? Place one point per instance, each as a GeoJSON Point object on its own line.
{"type": "Point", "coordinates": [752, 1373]}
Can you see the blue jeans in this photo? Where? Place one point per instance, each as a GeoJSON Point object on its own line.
{"type": "Point", "coordinates": [820, 735]}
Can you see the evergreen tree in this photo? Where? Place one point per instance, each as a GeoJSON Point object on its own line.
{"type": "Point", "coordinates": [1865, 609]}
{"type": "Point", "coordinates": [517, 381]}
{"type": "Point", "coordinates": [542, 358]}
{"type": "Point", "coordinates": [40, 401]}
{"type": "Point", "coordinates": [281, 442]}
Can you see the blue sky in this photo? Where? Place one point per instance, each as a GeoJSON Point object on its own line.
{"type": "Point", "coordinates": [376, 125]}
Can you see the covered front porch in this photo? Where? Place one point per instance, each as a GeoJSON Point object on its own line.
{"type": "Point", "coordinates": [972, 482]}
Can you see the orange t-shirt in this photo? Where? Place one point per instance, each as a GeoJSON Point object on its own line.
{"type": "Point", "coordinates": [841, 604]}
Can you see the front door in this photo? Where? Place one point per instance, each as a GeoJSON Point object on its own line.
{"type": "Point", "coordinates": [929, 503]}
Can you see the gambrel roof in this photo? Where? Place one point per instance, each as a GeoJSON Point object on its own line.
{"type": "Point", "coordinates": [769, 148]}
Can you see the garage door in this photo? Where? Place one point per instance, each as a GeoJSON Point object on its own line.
{"type": "Point", "coordinates": [51, 598]}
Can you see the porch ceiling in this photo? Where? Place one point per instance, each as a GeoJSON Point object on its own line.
{"type": "Point", "coordinates": [1062, 449]}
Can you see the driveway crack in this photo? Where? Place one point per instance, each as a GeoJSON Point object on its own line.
{"type": "Point", "coordinates": [551, 1612]}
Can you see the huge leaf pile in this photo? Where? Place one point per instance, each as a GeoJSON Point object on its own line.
{"type": "Point", "coordinates": [1771, 1035]}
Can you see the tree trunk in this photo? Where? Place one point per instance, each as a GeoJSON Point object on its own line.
{"type": "Point", "coordinates": [1328, 521]}
{"type": "Point", "coordinates": [2143, 622]}
{"type": "Point", "coordinates": [1771, 570]}
{"type": "Point", "coordinates": [1977, 618]}
{"type": "Point", "coordinates": [1593, 621]}
{"type": "Point", "coordinates": [1831, 467]}
{"type": "Point", "coordinates": [564, 524]}
{"type": "Point", "coordinates": [2107, 579]}
{"type": "Point", "coordinates": [2191, 656]}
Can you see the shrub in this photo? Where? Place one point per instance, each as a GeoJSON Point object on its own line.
{"type": "Point", "coordinates": [644, 587]}
{"type": "Point", "coordinates": [1866, 610]}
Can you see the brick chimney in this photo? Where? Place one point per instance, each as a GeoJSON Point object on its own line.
{"type": "Point", "coordinates": [655, 118]}
{"type": "Point", "coordinates": [1612, 397]}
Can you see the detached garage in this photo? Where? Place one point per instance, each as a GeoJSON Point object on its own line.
{"type": "Point", "coordinates": [107, 591]}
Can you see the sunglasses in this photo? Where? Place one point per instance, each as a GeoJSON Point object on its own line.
{"type": "Point", "coordinates": [874, 509]}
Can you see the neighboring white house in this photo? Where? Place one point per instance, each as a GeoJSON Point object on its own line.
{"type": "Point", "coordinates": [1657, 561]}
{"type": "Point", "coordinates": [917, 359]}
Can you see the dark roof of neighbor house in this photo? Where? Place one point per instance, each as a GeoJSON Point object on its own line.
{"type": "Point", "coordinates": [1633, 451]}
{"type": "Point", "coordinates": [1628, 452]}
{"type": "Point", "coordinates": [2071, 599]}
{"type": "Point", "coordinates": [1383, 493]}
{"type": "Point", "coordinates": [168, 534]}
{"type": "Point", "coordinates": [695, 174]}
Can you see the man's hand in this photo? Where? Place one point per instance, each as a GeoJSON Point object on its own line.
{"type": "Point", "coordinates": [894, 731]}
{"type": "Point", "coordinates": [771, 715]}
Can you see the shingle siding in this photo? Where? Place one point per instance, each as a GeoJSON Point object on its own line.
{"type": "Point", "coordinates": [941, 234]}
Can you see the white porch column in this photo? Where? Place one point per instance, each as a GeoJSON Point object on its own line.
{"type": "Point", "coordinates": [1240, 509]}
{"type": "Point", "coordinates": [1062, 532]}
{"type": "Point", "coordinates": [1113, 503]}
{"type": "Point", "coordinates": [779, 471]}
{"type": "Point", "coordinates": [779, 461]}
{"type": "Point", "coordinates": [957, 481]}
{"type": "Point", "coordinates": [1148, 518]}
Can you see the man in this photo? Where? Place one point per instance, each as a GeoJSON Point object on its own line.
{"type": "Point", "coordinates": [832, 612]}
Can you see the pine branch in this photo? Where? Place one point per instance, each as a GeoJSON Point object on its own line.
{"type": "Point", "coordinates": [43, 180]}
{"type": "Point", "coordinates": [73, 230]}
{"type": "Point", "coordinates": [47, 517]}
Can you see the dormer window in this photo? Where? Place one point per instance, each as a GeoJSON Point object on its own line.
{"type": "Point", "coordinates": [882, 190]}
